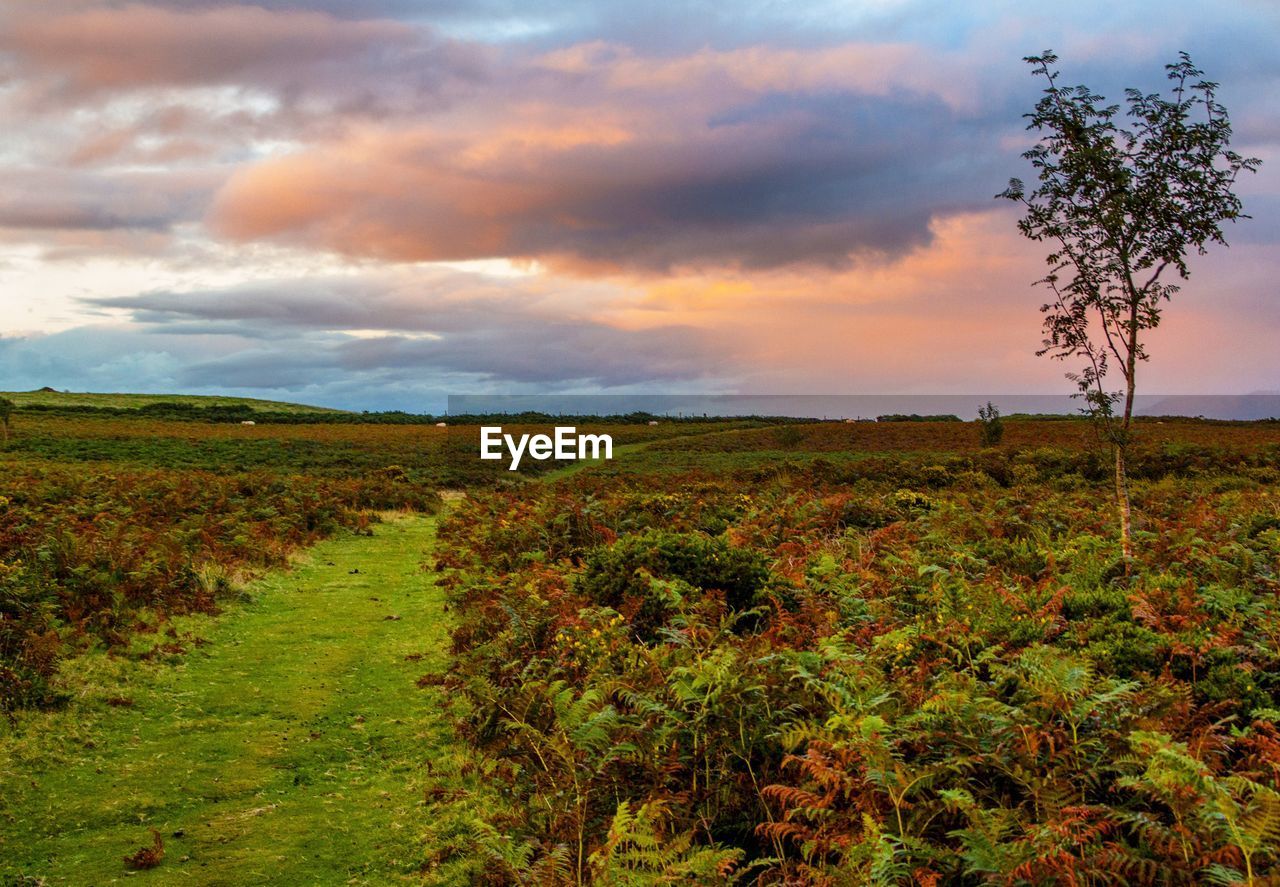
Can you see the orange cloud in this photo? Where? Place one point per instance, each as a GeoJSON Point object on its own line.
{"type": "Point", "coordinates": [868, 68]}
{"type": "Point", "coordinates": [138, 45]}
{"type": "Point", "coordinates": [589, 181]}
{"type": "Point", "coordinates": [957, 315]}
{"type": "Point", "coordinates": [403, 197]}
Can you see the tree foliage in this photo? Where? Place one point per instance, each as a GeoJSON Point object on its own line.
{"type": "Point", "coordinates": [990, 425]}
{"type": "Point", "coordinates": [1122, 201]}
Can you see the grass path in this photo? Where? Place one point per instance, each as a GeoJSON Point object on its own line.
{"type": "Point", "coordinates": [291, 748]}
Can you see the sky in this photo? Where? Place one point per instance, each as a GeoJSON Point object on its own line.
{"type": "Point", "coordinates": [372, 204]}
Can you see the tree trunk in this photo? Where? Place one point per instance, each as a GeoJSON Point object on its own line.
{"type": "Point", "coordinates": [1122, 506]}
{"type": "Point", "coordinates": [1122, 449]}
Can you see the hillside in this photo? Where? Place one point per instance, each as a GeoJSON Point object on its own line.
{"type": "Point", "coordinates": [47, 398]}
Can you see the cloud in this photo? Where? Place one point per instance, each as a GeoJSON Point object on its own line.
{"type": "Point", "coordinates": [753, 194]}
{"type": "Point", "coordinates": [547, 352]}
{"type": "Point", "coordinates": [957, 316]}
{"type": "Point", "coordinates": [400, 328]}
{"type": "Point", "coordinates": [51, 200]}
{"type": "Point", "coordinates": [603, 160]}
{"type": "Point", "coordinates": [96, 48]}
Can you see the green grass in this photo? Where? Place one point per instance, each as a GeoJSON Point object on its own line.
{"type": "Point", "coordinates": [289, 746]}
{"type": "Point", "coordinates": [134, 401]}
{"type": "Point", "coordinates": [313, 457]}
{"type": "Point", "coordinates": [662, 455]}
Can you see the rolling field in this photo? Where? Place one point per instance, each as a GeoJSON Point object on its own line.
{"type": "Point", "coordinates": [806, 654]}
{"type": "Point", "coordinates": [881, 654]}
{"type": "Point", "coordinates": [136, 401]}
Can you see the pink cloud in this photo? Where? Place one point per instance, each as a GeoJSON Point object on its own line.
{"type": "Point", "coordinates": [596, 159]}
{"type": "Point", "coordinates": [867, 68]}
{"type": "Point", "coordinates": [134, 46]}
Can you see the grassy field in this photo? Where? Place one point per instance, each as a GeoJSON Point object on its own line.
{"type": "Point", "coordinates": [881, 655]}
{"type": "Point", "coordinates": [288, 745]}
{"type": "Point", "coordinates": [816, 654]}
{"type": "Point", "coordinates": [134, 401]}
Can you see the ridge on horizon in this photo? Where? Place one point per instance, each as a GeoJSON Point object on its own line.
{"type": "Point", "coordinates": [1229, 407]}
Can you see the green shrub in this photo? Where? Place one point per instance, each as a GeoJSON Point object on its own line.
{"type": "Point", "coordinates": [29, 644]}
{"type": "Point", "coordinates": [990, 426]}
{"type": "Point", "coordinates": [622, 575]}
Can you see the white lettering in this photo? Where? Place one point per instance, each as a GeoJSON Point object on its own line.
{"type": "Point", "coordinates": [595, 441]}
{"type": "Point", "coordinates": [540, 447]}
{"type": "Point", "coordinates": [564, 441]}
{"type": "Point", "coordinates": [560, 446]}
{"type": "Point", "coordinates": [490, 438]}
{"type": "Point", "coordinates": [516, 451]}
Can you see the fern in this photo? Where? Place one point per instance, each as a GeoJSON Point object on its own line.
{"type": "Point", "coordinates": [638, 853]}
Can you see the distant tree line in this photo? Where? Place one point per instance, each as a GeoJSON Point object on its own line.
{"type": "Point", "coordinates": [185, 412]}
{"type": "Point", "coordinates": [916, 417]}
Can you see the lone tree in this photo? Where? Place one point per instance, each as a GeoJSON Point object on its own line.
{"type": "Point", "coordinates": [990, 425]}
{"type": "Point", "coordinates": [1121, 203]}
{"type": "Point", "coordinates": [6, 415]}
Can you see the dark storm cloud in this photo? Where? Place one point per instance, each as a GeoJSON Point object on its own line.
{"type": "Point", "coordinates": [430, 301]}
{"type": "Point", "coordinates": [771, 180]}
{"type": "Point", "coordinates": [448, 324]}
{"type": "Point", "coordinates": [544, 351]}
{"type": "Point", "coordinates": [322, 304]}
{"type": "Point", "coordinates": [692, 135]}
{"type": "Point", "coordinates": [540, 352]}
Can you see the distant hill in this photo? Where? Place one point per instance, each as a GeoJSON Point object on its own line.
{"type": "Point", "coordinates": [1248, 407]}
{"type": "Point", "coordinates": [46, 397]}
